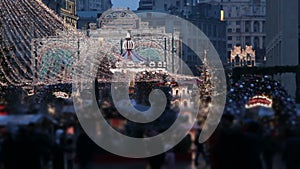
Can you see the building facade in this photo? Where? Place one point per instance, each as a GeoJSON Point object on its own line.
{"type": "Point", "coordinates": [66, 9]}
{"type": "Point", "coordinates": [93, 5]}
{"type": "Point", "coordinates": [89, 10]}
{"type": "Point", "coordinates": [142, 43]}
{"type": "Point", "coordinates": [282, 47]}
{"type": "Point", "coordinates": [55, 5]}
{"type": "Point", "coordinates": [146, 4]}
{"type": "Point", "coordinates": [178, 7]}
{"type": "Point", "coordinates": [69, 13]}
{"type": "Point", "coordinates": [246, 24]}
{"type": "Point", "coordinates": [206, 16]}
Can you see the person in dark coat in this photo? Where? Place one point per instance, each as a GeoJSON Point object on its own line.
{"type": "Point", "coordinates": [28, 153]}
{"type": "Point", "coordinates": [157, 161]}
{"type": "Point", "coordinates": [226, 146]}
{"type": "Point", "coordinates": [84, 150]}
{"type": "Point", "coordinates": [253, 145]}
{"type": "Point", "coordinates": [58, 150]}
{"type": "Point", "coordinates": [291, 152]}
{"type": "Point", "coordinates": [271, 147]}
{"type": "Point", "coordinates": [8, 152]}
{"type": "Point", "coordinates": [199, 149]}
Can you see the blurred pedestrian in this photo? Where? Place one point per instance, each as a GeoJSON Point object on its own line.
{"type": "Point", "coordinates": [58, 150]}
{"type": "Point", "coordinates": [85, 151]}
{"type": "Point", "coordinates": [8, 152]}
{"type": "Point", "coordinates": [270, 148]}
{"type": "Point", "coordinates": [169, 158]}
{"type": "Point", "coordinates": [226, 146]}
{"type": "Point", "coordinates": [70, 152]}
{"type": "Point", "coordinates": [28, 156]}
{"type": "Point", "coordinates": [199, 149]}
{"type": "Point", "coordinates": [253, 146]}
{"type": "Point", "coordinates": [291, 152]}
{"type": "Point", "coordinates": [157, 161]}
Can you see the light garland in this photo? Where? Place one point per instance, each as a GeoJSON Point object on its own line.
{"type": "Point", "coordinates": [35, 21]}
{"type": "Point", "coordinates": [32, 20]}
{"type": "Point", "coordinates": [259, 101]}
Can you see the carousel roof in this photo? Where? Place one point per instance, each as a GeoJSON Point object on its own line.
{"type": "Point", "coordinates": [132, 56]}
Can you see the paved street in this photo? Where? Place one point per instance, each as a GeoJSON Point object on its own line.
{"type": "Point", "coordinates": [179, 165]}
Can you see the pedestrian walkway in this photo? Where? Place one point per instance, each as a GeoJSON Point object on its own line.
{"type": "Point", "coordinates": [277, 164]}
{"type": "Point", "coordinates": [180, 165]}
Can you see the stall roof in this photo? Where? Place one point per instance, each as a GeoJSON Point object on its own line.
{"type": "Point", "coordinates": [25, 119]}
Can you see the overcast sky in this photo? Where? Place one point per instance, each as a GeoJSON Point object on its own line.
{"type": "Point", "coordinates": [132, 4]}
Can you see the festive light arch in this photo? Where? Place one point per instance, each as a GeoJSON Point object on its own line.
{"type": "Point", "coordinates": [253, 91]}
{"type": "Point", "coordinates": [118, 16]}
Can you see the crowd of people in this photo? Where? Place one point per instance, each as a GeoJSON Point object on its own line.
{"type": "Point", "coordinates": [240, 141]}
{"type": "Point", "coordinates": [251, 144]}
{"type": "Point", "coordinates": [34, 147]}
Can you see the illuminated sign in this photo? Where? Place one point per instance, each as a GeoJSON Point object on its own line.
{"type": "Point", "coordinates": [131, 64]}
{"type": "Point", "coordinates": [62, 95]}
{"type": "Point", "coordinates": [262, 101]}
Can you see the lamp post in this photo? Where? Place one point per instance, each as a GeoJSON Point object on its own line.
{"type": "Point", "coordinates": [173, 51]}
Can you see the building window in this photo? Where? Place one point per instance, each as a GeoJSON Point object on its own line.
{"type": "Point", "coordinates": [209, 30]}
{"type": "Point", "coordinates": [229, 46]}
{"type": "Point", "coordinates": [229, 30]}
{"type": "Point", "coordinates": [206, 29]}
{"type": "Point", "coordinates": [238, 30]}
{"type": "Point", "coordinates": [248, 40]}
{"type": "Point", "coordinates": [229, 37]}
{"type": "Point", "coordinates": [256, 26]}
{"type": "Point", "coordinates": [238, 38]}
{"type": "Point", "coordinates": [247, 26]}
{"type": "Point", "coordinates": [238, 22]}
{"type": "Point", "coordinates": [256, 42]}
{"type": "Point", "coordinates": [215, 30]}
{"type": "Point", "coordinates": [194, 58]}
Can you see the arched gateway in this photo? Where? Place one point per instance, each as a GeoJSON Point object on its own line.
{"type": "Point", "coordinates": [253, 92]}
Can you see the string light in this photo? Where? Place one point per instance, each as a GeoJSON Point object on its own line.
{"type": "Point", "coordinates": [34, 23]}
{"type": "Point", "coordinates": [32, 20]}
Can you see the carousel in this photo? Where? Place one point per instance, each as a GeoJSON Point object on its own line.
{"type": "Point", "coordinates": [144, 74]}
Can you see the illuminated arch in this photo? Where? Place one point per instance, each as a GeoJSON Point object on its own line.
{"type": "Point", "coordinates": [122, 17]}
{"type": "Point", "coordinates": [55, 63]}
{"type": "Point", "coordinates": [262, 90]}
